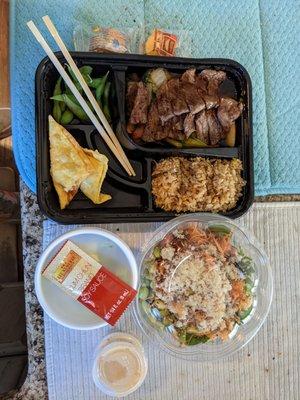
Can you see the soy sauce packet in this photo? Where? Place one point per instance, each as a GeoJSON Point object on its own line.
{"type": "Point", "coordinates": [87, 281]}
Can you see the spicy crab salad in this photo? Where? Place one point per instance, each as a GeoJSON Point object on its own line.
{"type": "Point", "coordinates": [197, 285]}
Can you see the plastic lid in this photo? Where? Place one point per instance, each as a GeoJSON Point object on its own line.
{"type": "Point", "coordinates": [205, 289]}
{"type": "Point", "coordinates": [120, 365]}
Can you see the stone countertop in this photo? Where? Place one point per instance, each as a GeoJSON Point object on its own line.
{"type": "Point", "coordinates": [35, 385]}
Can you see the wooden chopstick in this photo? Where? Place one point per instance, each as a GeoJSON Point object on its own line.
{"type": "Point", "coordinates": [85, 88]}
{"type": "Point", "coordinates": [76, 93]}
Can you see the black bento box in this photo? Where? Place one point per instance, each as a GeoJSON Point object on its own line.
{"type": "Point", "coordinates": [131, 196]}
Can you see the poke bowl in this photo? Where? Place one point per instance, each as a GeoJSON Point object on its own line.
{"type": "Point", "coordinates": [205, 287]}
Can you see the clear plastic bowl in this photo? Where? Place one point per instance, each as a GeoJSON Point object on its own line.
{"type": "Point", "coordinates": [262, 293]}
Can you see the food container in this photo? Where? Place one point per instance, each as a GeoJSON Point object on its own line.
{"type": "Point", "coordinates": [132, 200]}
{"type": "Point", "coordinates": [120, 365]}
{"type": "Point", "coordinates": [106, 248]}
{"type": "Point", "coordinates": [162, 333]}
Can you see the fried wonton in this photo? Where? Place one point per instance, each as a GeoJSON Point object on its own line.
{"type": "Point", "coordinates": [91, 186]}
{"type": "Point", "coordinates": [69, 163]}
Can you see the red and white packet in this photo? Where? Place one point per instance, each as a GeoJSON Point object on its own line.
{"type": "Point", "coordinates": [89, 282]}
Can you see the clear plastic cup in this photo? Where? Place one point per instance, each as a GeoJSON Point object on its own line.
{"type": "Point", "coordinates": [120, 365]}
{"type": "Point", "coordinates": [153, 325]}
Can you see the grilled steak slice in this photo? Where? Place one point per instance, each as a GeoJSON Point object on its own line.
{"type": "Point", "coordinates": [216, 132]}
{"type": "Point", "coordinates": [140, 106]}
{"type": "Point", "coordinates": [228, 111]}
{"type": "Point", "coordinates": [177, 98]}
{"type": "Point", "coordinates": [192, 97]}
{"type": "Point", "coordinates": [164, 105]}
{"type": "Point", "coordinates": [211, 101]}
{"type": "Point", "coordinates": [153, 129]}
{"type": "Point", "coordinates": [214, 79]}
{"type": "Point", "coordinates": [189, 124]}
{"type": "Point", "coordinates": [202, 128]}
{"type": "Point", "coordinates": [189, 75]}
{"type": "Point", "coordinates": [132, 88]}
{"type": "Point", "coordinates": [201, 84]}
{"type": "Point", "coordinates": [171, 128]}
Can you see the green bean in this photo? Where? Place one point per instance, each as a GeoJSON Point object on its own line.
{"type": "Point", "coordinates": [105, 102]}
{"type": "Point", "coordinates": [100, 88]}
{"type": "Point", "coordinates": [56, 106]}
{"type": "Point", "coordinates": [67, 117]}
{"type": "Point", "coordinates": [75, 108]}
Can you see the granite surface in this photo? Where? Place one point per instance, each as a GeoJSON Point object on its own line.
{"type": "Point", "coordinates": [35, 385]}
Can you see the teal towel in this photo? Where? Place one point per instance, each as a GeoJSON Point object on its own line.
{"type": "Point", "coordinates": [261, 35]}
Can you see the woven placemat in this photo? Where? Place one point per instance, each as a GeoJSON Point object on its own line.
{"type": "Point", "coordinates": [267, 368]}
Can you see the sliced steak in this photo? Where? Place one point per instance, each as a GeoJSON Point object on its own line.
{"type": "Point", "coordinates": [214, 79]}
{"type": "Point", "coordinates": [132, 88]}
{"type": "Point", "coordinates": [192, 97]}
{"type": "Point", "coordinates": [201, 84]}
{"type": "Point", "coordinates": [164, 105]}
{"type": "Point", "coordinates": [171, 128]}
{"type": "Point", "coordinates": [228, 111]}
{"type": "Point", "coordinates": [202, 128]}
{"type": "Point", "coordinates": [153, 129]}
{"type": "Point", "coordinates": [189, 75]}
{"type": "Point", "coordinates": [189, 124]}
{"type": "Point", "coordinates": [177, 98]}
{"type": "Point", "coordinates": [140, 107]}
{"type": "Point", "coordinates": [211, 101]}
{"type": "Point", "coordinates": [216, 132]}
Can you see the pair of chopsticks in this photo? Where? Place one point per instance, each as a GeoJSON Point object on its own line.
{"type": "Point", "coordinates": [107, 134]}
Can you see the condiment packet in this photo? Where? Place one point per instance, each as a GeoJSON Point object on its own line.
{"type": "Point", "coordinates": [87, 281]}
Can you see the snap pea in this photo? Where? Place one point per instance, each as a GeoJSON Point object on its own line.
{"type": "Point", "coordinates": [244, 314]}
{"type": "Point", "coordinates": [192, 340]}
{"type": "Point", "coordinates": [95, 83]}
{"type": "Point", "coordinates": [56, 112]}
{"type": "Point", "coordinates": [56, 106]}
{"type": "Point", "coordinates": [67, 117]}
{"type": "Point", "coordinates": [86, 70]}
{"type": "Point", "coordinates": [174, 143]}
{"type": "Point", "coordinates": [105, 102]}
{"type": "Point", "coordinates": [221, 229]}
{"type": "Point", "coordinates": [62, 106]}
{"type": "Point", "coordinates": [190, 142]}
{"type": "Point", "coordinates": [75, 81]}
{"type": "Point", "coordinates": [75, 108]}
{"type": "Point", "coordinates": [100, 88]}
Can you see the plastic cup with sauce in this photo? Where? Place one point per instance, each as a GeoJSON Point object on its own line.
{"type": "Point", "coordinates": [120, 365]}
